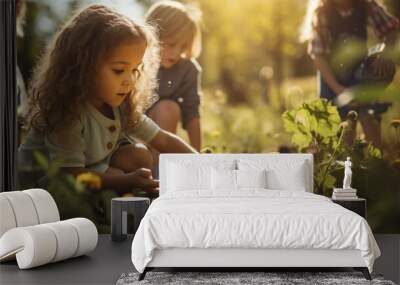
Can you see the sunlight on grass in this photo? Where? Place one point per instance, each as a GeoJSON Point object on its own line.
{"type": "Point", "coordinates": [257, 127]}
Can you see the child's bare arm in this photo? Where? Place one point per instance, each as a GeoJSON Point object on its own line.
{"type": "Point", "coordinates": [166, 142]}
{"type": "Point", "coordinates": [121, 182]}
{"type": "Point", "coordinates": [326, 72]}
{"type": "Point", "coordinates": [193, 129]}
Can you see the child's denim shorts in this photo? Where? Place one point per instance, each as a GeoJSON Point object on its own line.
{"type": "Point", "coordinates": [326, 92]}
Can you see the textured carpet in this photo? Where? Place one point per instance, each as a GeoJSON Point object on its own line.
{"type": "Point", "coordinates": [242, 278]}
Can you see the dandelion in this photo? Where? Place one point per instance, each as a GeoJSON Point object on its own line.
{"type": "Point", "coordinates": [89, 179]}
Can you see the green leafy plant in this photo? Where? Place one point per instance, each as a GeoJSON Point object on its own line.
{"type": "Point", "coordinates": [76, 197]}
{"type": "Point", "coordinates": [316, 127]}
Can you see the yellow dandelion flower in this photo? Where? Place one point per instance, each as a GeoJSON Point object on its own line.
{"type": "Point", "coordinates": [89, 179]}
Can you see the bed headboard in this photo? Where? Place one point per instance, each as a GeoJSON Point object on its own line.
{"type": "Point", "coordinates": [209, 158]}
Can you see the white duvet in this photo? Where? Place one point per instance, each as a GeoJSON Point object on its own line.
{"type": "Point", "coordinates": [250, 219]}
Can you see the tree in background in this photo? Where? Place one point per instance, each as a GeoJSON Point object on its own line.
{"type": "Point", "coordinates": [243, 36]}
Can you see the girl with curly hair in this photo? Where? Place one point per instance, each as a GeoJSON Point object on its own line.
{"type": "Point", "coordinates": [88, 98]}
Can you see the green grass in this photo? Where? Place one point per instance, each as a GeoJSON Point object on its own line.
{"type": "Point", "coordinates": [257, 127]}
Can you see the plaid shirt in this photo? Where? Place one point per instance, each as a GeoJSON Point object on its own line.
{"type": "Point", "coordinates": [378, 18]}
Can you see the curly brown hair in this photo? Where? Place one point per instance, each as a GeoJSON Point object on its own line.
{"type": "Point", "coordinates": [66, 74]}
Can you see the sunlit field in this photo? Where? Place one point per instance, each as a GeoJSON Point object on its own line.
{"type": "Point", "coordinates": [257, 126]}
{"type": "Point", "coordinates": [259, 95]}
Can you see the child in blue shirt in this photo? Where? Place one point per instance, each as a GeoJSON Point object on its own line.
{"type": "Point", "coordinates": [179, 73]}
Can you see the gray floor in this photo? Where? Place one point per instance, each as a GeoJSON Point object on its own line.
{"type": "Point", "coordinates": [110, 260]}
{"type": "Point", "coordinates": [103, 266]}
{"type": "Point", "coordinates": [389, 262]}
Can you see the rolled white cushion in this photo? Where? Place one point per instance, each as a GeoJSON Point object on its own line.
{"type": "Point", "coordinates": [87, 235]}
{"type": "Point", "coordinates": [67, 239]}
{"type": "Point", "coordinates": [7, 218]}
{"type": "Point", "coordinates": [40, 244]}
{"type": "Point", "coordinates": [45, 205]}
{"type": "Point", "coordinates": [23, 208]}
{"type": "Point", "coordinates": [33, 246]}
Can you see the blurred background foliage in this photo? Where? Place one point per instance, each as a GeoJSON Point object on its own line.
{"type": "Point", "coordinates": [259, 95]}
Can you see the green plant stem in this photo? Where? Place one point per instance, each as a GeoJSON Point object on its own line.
{"type": "Point", "coordinates": [331, 159]}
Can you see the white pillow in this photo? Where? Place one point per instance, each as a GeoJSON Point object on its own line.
{"type": "Point", "coordinates": [251, 178]}
{"type": "Point", "coordinates": [282, 174]}
{"type": "Point", "coordinates": [192, 174]}
{"type": "Point", "coordinates": [223, 179]}
{"type": "Point", "coordinates": [293, 178]}
{"type": "Point", "coordinates": [181, 177]}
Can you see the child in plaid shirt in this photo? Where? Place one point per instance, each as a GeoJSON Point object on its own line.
{"type": "Point", "coordinates": [331, 28]}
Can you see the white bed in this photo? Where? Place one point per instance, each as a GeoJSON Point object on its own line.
{"type": "Point", "coordinates": [208, 226]}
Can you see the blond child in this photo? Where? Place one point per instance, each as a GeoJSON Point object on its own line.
{"type": "Point", "coordinates": [88, 96]}
{"type": "Point", "coordinates": [178, 28]}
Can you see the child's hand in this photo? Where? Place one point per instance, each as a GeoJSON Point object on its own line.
{"type": "Point", "coordinates": [143, 179]}
{"type": "Point", "coordinates": [344, 98]}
